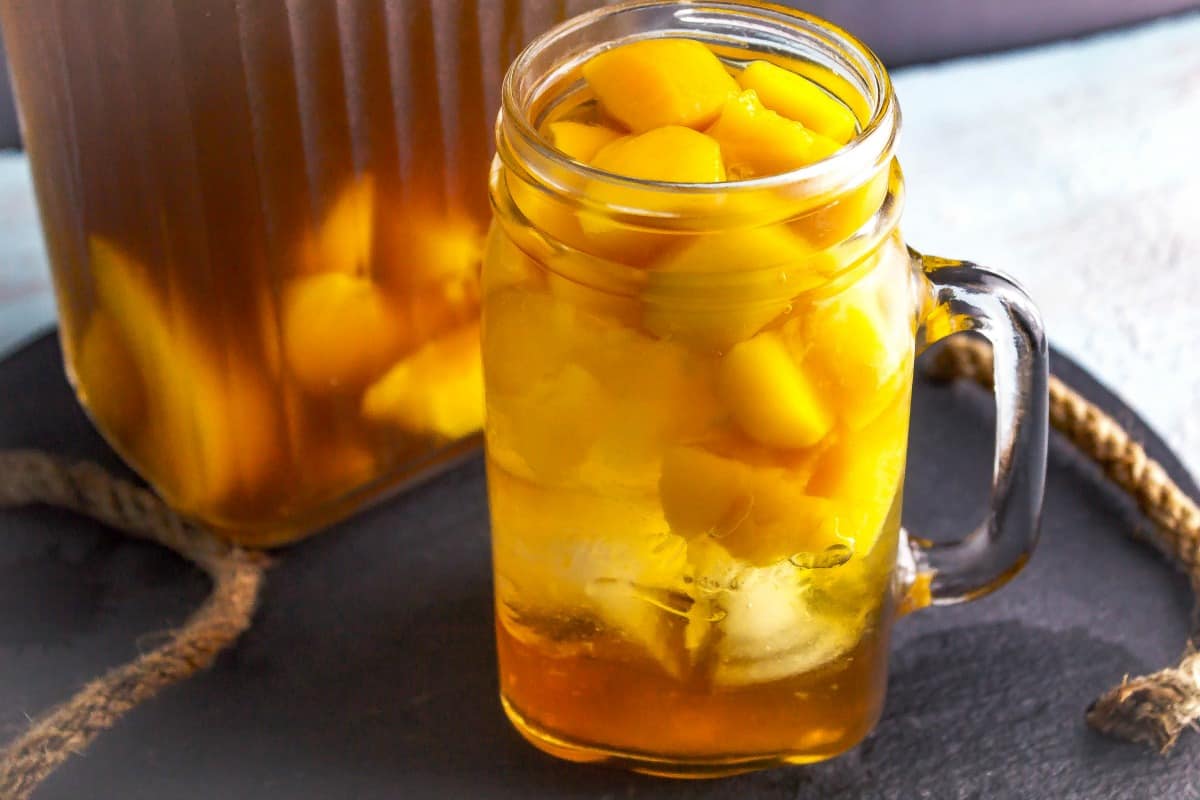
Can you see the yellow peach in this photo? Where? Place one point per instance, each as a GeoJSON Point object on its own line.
{"type": "Point", "coordinates": [546, 432]}
{"type": "Point", "coordinates": [436, 391]}
{"type": "Point", "coordinates": [758, 514]}
{"type": "Point", "coordinates": [861, 352]}
{"type": "Point", "coordinates": [579, 140]}
{"type": "Point", "coordinates": [613, 303]}
{"type": "Point", "coordinates": [547, 214]}
{"type": "Point", "coordinates": [657, 82]}
{"type": "Point", "coordinates": [424, 249]}
{"type": "Point", "coordinates": [862, 471]}
{"type": "Point", "coordinates": [671, 154]}
{"type": "Point", "coordinates": [756, 141]}
{"type": "Point", "coordinates": [656, 393]}
{"type": "Point", "coordinates": [799, 99]}
{"type": "Point", "coordinates": [585, 555]}
{"type": "Point", "coordinates": [343, 241]}
{"type": "Point", "coordinates": [703, 493]}
{"type": "Point", "coordinates": [109, 383]}
{"type": "Point", "coordinates": [339, 332]}
{"type": "Point", "coordinates": [431, 310]}
{"type": "Point", "coordinates": [526, 338]}
{"type": "Point", "coordinates": [844, 214]}
{"type": "Point", "coordinates": [770, 397]}
{"type": "Point", "coordinates": [745, 278]}
{"type": "Point", "coordinates": [212, 427]}
{"type": "Point", "coordinates": [506, 264]}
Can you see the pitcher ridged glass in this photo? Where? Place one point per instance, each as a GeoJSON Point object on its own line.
{"type": "Point", "coordinates": [264, 220]}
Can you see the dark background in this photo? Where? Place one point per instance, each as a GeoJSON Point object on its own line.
{"type": "Point", "coordinates": [902, 32]}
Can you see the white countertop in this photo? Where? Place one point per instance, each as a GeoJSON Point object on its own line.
{"type": "Point", "coordinates": [1074, 167]}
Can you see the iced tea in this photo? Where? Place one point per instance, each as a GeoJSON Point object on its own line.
{"type": "Point", "coordinates": [264, 220]}
{"type": "Point", "coordinates": [697, 415]}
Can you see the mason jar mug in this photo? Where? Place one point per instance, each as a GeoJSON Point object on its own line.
{"type": "Point", "coordinates": [697, 413]}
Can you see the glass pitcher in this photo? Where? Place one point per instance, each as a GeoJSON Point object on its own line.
{"type": "Point", "coordinates": [264, 222]}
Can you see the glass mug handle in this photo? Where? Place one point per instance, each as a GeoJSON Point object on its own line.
{"type": "Point", "coordinates": [960, 296]}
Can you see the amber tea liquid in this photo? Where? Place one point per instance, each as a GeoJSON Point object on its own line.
{"type": "Point", "coordinates": [696, 429]}
{"type": "Point", "coordinates": [264, 221]}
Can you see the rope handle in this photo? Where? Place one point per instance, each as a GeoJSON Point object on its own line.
{"type": "Point", "coordinates": [1153, 708]}
{"type": "Point", "coordinates": [30, 477]}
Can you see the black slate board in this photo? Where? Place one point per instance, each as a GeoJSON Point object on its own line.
{"type": "Point", "coordinates": [370, 672]}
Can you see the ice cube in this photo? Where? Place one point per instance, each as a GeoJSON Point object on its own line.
{"type": "Point", "coordinates": [761, 622]}
{"type": "Point", "coordinates": [565, 553]}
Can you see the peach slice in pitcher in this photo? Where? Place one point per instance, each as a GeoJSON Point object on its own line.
{"type": "Point", "coordinates": [109, 382]}
{"type": "Point", "coordinates": [418, 250]}
{"type": "Point", "coordinates": [339, 332]}
{"type": "Point", "coordinates": [436, 391]}
{"type": "Point", "coordinates": [343, 242]}
{"type": "Point", "coordinates": [210, 423]}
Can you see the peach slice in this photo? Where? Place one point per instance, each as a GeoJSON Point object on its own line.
{"type": "Point", "coordinates": [343, 241]}
{"type": "Point", "coordinates": [756, 141]}
{"type": "Point", "coordinates": [862, 471]}
{"type": "Point", "coordinates": [579, 140]}
{"type": "Point", "coordinates": [774, 263]}
{"type": "Point", "coordinates": [656, 393]}
{"type": "Point", "coordinates": [799, 99]}
{"type": "Point", "coordinates": [657, 82]}
{"type": "Point", "coordinates": [560, 552]}
{"type": "Point", "coordinates": [549, 215]}
{"type": "Point", "coordinates": [844, 214]}
{"type": "Point", "coordinates": [212, 427]}
{"type": "Point", "coordinates": [526, 338]}
{"type": "Point", "coordinates": [672, 154]}
{"type": "Point", "coordinates": [339, 332]}
{"type": "Point", "coordinates": [434, 309]}
{"type": "Point", "coordinates": [422, 249]}
{"type": "Point", "coordinates": [436, 391]}
{"type": "Point", "coordinates": [770, 397]}
{"type": "Point", "coordinates": [860, 350]}
{"type": "Point", "coordinates": [759, 514]}
{"type": "Point", "coordinates": [506, 265]}
{"type": "Point", "coordinates": [546, 432]}
{"type": "Point", "coordinates": [110, 385]}
{"type": "Point", "coordinates": [566, 385]}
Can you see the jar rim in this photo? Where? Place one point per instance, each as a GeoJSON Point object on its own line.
{"type": "Point", "coordinates": [519, 140]}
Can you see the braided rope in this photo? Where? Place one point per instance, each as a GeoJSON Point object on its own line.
{"type": "Point", "coordinates": [33, 477]}
{"type": "Point", "coordinates": [1154, 708]}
